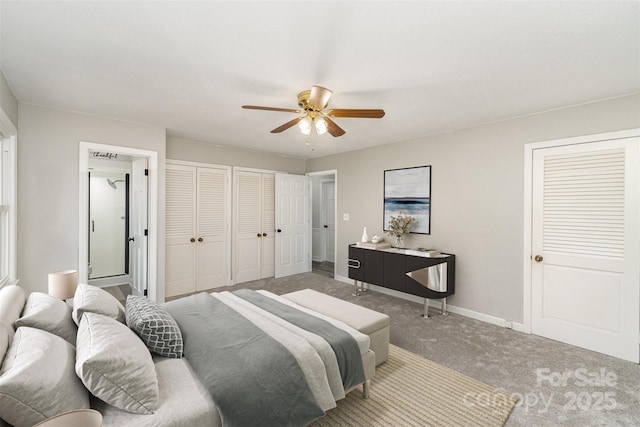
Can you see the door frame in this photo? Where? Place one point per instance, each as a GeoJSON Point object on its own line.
{"type": "Point", "coordinates": [528, 206]}
{"type": "Point", "coordinates": [152, 209]}
{"type": "Point", "coordinates": [323, 214]}
{"type": "Point", "coordinates": [334, 173]}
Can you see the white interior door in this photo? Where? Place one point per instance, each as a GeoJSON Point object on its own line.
{"type": "Point", "coordinates": [329, 218]}
{"type": "Point", "coordinates": [139, 226]}
{"type": "Point", "coordinates": [180, 231]}
{"type": "Point", "coordinates": [585, 234]}
{"type": "Point", "coordinates": [293, 224]}
{"type": "Point", "coordinates": [213, 217]}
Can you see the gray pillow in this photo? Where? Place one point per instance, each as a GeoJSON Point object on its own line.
{"type": "Point", "coordinates": [50, 314]}
{"type": "Point", "coordinates": [37, 380]}
{"type": "Point", "coordinates": [155, 326]}
{"type": "Point", "coordinates": [115, 365]}
{"type": "Point", "coordinates": [92, 299]}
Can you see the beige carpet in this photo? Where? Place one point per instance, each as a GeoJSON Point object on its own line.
{"type": "Point", "coordinates": [409, 390]}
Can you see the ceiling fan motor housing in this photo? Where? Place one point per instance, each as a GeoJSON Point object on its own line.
{"type": "Point", "coordinates": [303, 99]}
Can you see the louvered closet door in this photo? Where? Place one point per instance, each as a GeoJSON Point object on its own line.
{"type": "Point", "coordinates": [248, 259]}
{"type": "Point", "coordinates": [585, 235]}
{"type": "Point", "coordinates": [268, 242]}
{"type": "Point", "coordinates": [180, 228]}
{"type": "Point", "coordinates": [212, 248]}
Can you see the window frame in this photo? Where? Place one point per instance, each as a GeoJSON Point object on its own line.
{"type": "Point", "coordinates": [8, 199]}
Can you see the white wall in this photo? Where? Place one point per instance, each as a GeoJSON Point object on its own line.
{"type": "Point", "coordinates": [180, 149]}
{"type": "Point", "coordinates": [477, 195]}
{"type": "Point", "coordinates": [8, 102]}
{"type": "Point", "coordinates": [48, 180]}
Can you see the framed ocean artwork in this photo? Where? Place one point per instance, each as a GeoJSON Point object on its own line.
{"type": "Point", "coordinates": [408, 191]}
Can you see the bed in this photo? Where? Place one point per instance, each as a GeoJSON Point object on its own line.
{"type": "Point", "coordinates": [220, 359]}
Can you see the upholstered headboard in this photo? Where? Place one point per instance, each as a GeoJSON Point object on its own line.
{"type": "Point", "coordinates": [12, 300]}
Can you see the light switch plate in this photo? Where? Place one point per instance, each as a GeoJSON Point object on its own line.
{"type": "Point", "coordinates": [345, 217]}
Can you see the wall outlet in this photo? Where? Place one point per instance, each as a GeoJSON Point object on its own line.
{"type": "Point", "coordinates": [345, 217]}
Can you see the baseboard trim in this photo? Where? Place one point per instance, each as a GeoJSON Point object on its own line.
{"type": "Point", "coordinates": [494, 320]}
{"type": "Point", "coordinates": [102, 282]}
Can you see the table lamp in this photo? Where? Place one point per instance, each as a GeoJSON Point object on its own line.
{"type": "Point", "coordinates": [62, 284]}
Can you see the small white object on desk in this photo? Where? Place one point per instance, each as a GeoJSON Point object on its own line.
{"type": "Point", "coordinates": [77, 418]}
{"type": "Point", "coordinates": [431, 253]}
{"type": "Point", "coordinates": [365, 236]}
{"type": "Point", "coordinates": [371, 245]}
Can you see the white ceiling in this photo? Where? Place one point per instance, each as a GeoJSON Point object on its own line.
{"type": "Point", "coordinates": [433, 66]}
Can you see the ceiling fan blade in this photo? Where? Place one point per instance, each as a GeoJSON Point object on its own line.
{"type": "Point", "coordinates": [364, 114]}
{"type": "Point", "coordinates": [287, 125]}
{"type": "Point", "coordinates": [257, 107]}
{"type": "Point", "coordinates": [333, 128]}
{"type": "Point", "coordinates": [319, 97]}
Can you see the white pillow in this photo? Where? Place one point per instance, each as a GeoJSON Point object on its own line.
{"type": "Point", "coordinates": [37, 380]}
{"type": "Point", "coordinates": [115, 365]}
{"type": "Point", "coordinates": [50, 314]}
{"type": "Point", "coordinates": [92, 299]}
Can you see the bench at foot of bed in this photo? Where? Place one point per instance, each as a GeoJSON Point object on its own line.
{"type": "Point", "coordinates": [367, 321]}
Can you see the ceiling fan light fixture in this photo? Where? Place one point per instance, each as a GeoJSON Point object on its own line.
{"type": "Point", "coordinates": [321, 126]}
{"type": "Point", "coordinates": [312, 113]}
{"type": "Point", "coordinates": [305, 126]}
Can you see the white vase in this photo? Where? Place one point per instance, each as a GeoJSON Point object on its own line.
{"type": "Point", "coordinates": [365, 236]}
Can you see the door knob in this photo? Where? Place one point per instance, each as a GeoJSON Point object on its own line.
{"type": "Point", "coordinates": [193, 239]}
{"type": "Point", "coordinates": [259, 235]}
{"type": "Point", "coordinates": [326, 226]}
{"type": "Point", "coordinates": [264, 234]}
{"type": "Point", "coordinates": [200, 239]}
{"type": "Point", "coordinates": [538, 258]}
{"type": "Point", "coordinates": [131, 239]}
{"type": "Point", "coordinates": [279, 231]}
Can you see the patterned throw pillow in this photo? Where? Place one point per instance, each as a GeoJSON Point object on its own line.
{"type": "Point", "coordinates": [155, 326]}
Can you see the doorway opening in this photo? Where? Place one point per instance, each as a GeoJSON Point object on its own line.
{"type": "Point", "coordinates": [323, 223]}
{"type": "Point", "coordinates": [118, 217]}
{"type": "Point", "coordinates": [109, 219]}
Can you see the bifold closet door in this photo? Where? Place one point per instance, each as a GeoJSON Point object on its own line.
{"type": "Point", "coordinates": [180, 229]}
{"type": "Point", "coordinates": [212, 222]}
{"type": "Point", "coordinates": [254, 217]}
{"type": "Point", "coordinates": [198, 217]}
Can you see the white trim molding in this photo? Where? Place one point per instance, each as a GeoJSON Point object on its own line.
{"type": "Point", "coordinates": [9, 138]}
{"type": "Point", "coordinates": [154, 291]}
{"type": "Point", "coordinates": [528, 192]}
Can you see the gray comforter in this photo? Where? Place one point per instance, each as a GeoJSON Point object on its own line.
{"type": "Point", "coordinates": [344, 346]}
{"type": "Point", "coordinates": [256, 373]}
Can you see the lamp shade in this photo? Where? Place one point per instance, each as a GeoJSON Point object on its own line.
{"type": "Point", "coordinates": [62, 284]}
{"type": "Point", "coordinates": [321, 126]}
{"type": "Point", "coordinates": [305, 126]}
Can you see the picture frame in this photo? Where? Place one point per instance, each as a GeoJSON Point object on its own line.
{"type": "Point", "coordinates": [408, 191]}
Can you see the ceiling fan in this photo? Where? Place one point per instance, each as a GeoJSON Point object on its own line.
{"type": "Point", "coordinates": [312, 113]}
